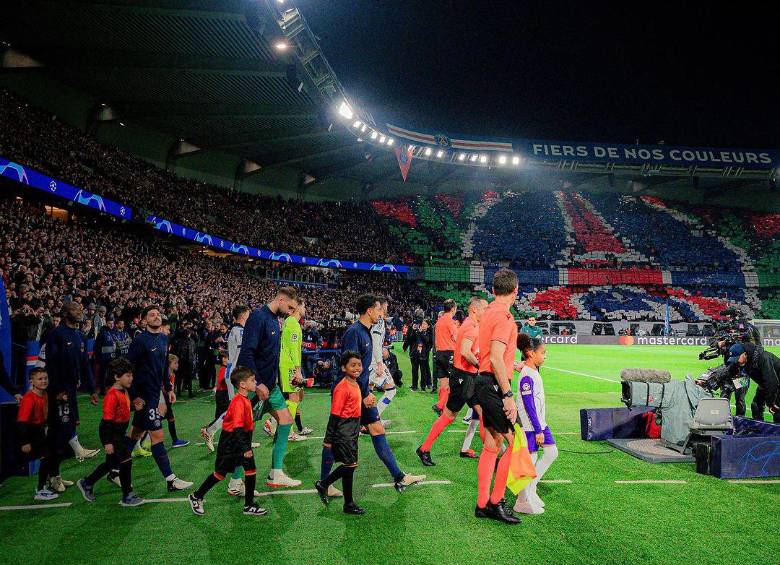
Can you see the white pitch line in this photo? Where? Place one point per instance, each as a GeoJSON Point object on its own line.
{"type": "Point", "coordinates": [582, 374]}
{"type": "Point", "coordinates": [37, 506]}
{"type": "Point", "coordinates": [754, 482]}
{"type": "Point", "coordinates": [556, 482]}
{"type": "Point", "coordinates": [385, 485]}
{"type": "Point", "coordinates": [567, 433]}
{"type": "Point", "coordinates": [276, 492]}
{"type": "Point", "coordinates": [652, 482]}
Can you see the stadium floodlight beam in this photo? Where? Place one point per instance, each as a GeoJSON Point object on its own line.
{"type": "Point", "coordinates": [281, 46]}
{"type": "Point", "coordinates": [502, 160]}
{"type": "Point", "coordinates": [345, 110]}
{"type": "Point", "coordinates": [461, 157]}
{"type": "Point", "coordinates": [382, 139]}
{"type": "Point", "coordinates": [515, 160]}
{"type": "Point", "coordinates": [390, 141]}
{"type": "Point", "coordinates": [364, 128]}
{"type": "Point", "coordinates": [473, 157]}
{"type": "Point", "coordinates": [357, 124]}
{"type": "Point", "coordinates": [428, 151]}
{"type": "Point", "coordinates": [483, 159]}
{"type": "Point", "coordinates": [374, 135]}
{"type": "Point", "coordinates": [439, 154]}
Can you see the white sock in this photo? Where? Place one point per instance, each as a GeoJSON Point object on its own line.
{"type": "Point", "coordinates": [75, 445]}
{"type": "Point", "coordinates": [386, 399]}
{"type": "Point", "coordinates": [469, 414]}
{"type": "Point", "coordinates": [472, 429]}
{"type": "Point", "coordinates": [549, 454]}
{"type": "Point", "coordinates": [212, 429]}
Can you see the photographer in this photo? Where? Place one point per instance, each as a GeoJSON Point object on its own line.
{"type": "Point", "coordinates": [763, 367]}
{"type": "Point", "coordinates": [418, 342]}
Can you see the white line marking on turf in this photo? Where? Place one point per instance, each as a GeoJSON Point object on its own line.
{"type": "Point", "coordinates": [652, 482]}
{"type": "Point", "coordinates": [754, 482]}
{"type": "Point", "coordinates": [582, 374]}
{"type": "Point", "coordinates": [37, 506]}
{"type": "Point", "coordinates": [385, 485]}
{"type": "Point", "coordinates": [275, 492]}
{"type": "Point", "coordinates": [367, 435]}
{"type": "Point", "coordinates": [156, 500]}
{"type": "Point", "coordinates": [556, 482]}
{"type": "Point", "coordinates": [567, 433]}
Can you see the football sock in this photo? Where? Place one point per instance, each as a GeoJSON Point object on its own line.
{"type": "Point", "coordinates": [75, 445]}
{"type": "Point", "coordinates": [502, 474]}
{"type": "Point", "coordinates": [549, 454]}
{"type": "Point", "coordinates": [485, 468]}
{"type": "Point", "coordinates": [444, 395]}
{"type": "Point", "coordinates": [172, 430]}
{"type": "Point", "coordinates": [386, 399]}
{"type": "Point", "coordinates": [292, 406]}
{"type": "Point", "coordinates": [327, 462]}
{"type": "Point", "coordinates": [298, 419]}
{"type": "Point", "coordinates": [386, 455]}
{"type": "Point", "coordinates": [437, 428]}
{"type": "Point", "coordinates": [43, 472]}
{"type": "Point", "coordinates": [280, 446]}
{"type": "Point", "coordinates": [249, 487]}
{"type": "Point", "coordinates": [346, 482]}
{"type": "Point", "coordinates": [212, 428]}
{"type": "Point", "coordinates": [207, 485]}
{"type": "Point", "coordinates": [472, 429]}
{"type": "Point", "coordinates": [95, 475]}
{"type": "Point", "coordinates": [125, 469]}
{"type": "Point", "coordinates": [161, 458]}
{"type": "Point", "coordinates": [238, 472]}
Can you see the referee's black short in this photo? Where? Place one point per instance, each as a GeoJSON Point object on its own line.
{"type": "Point", "coordinates": [442, 364]}
{"type": "Point", "coordinates": [461, 390]}
{"type": "Point", "coordinates": [488, 397]}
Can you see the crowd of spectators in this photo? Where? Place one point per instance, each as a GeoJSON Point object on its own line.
{"type": "Point", "coordinates": [345, 230]}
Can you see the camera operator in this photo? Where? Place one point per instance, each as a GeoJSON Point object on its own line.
{"type": "Point", "coordinates": [763, 367]}
{"type": "Point", "coordinates": [741, 330]}
{"type": "Point", "coordinates": [418, 341]}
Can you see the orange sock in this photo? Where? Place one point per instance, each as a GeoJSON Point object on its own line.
{"type": "Point", "coordinates": [502, 474]}
{"type": "Point", "coordinates": [444, 395]}
{"type": "Point", "coordinates": [485, 468]}
{"type": "Point", "coordinates": [437, 428]}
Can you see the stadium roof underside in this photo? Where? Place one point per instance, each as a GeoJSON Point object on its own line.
{"type": "Point", "coordinates": [207, 72]}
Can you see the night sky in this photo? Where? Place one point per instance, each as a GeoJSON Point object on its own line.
{"type": "Point", "coordinates": [560, 70]}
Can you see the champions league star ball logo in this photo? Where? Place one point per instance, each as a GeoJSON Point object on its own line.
{"type": "Point", "coordinates": [333, 263]}
{"type": "Point", "coordinates": [383, 268]}
{"type": "Point", "coordinates": [236, 248]}
{"type": "Point", "coordinates": [204, 238]}
{"type": "Point", "coordinates": [756, 461]}
{"type": "Point", "coordinates": [275, 256]}
{"type": "Point", "coordinates": [21, 174]}
{"type": "Point", "coordinates": [88, 199]}
{"type": "Point", "coordinates": [162, 225]}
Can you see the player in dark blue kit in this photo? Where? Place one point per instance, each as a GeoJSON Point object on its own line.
{"type": "Point", "coordinates": [260, 350]}
{"type": "Point", "coordinates": [149, 356]}
{"type": "Point", "coordinates": [68, 367]}
{"type": "Point", "coordinates": [357, 338]}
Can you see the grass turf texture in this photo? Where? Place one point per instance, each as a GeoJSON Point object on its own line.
{"type": "Point", "coordinates": [593, 519]}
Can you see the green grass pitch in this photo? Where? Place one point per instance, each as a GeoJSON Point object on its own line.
{"type": "Point", "coordinates": [591, 519]}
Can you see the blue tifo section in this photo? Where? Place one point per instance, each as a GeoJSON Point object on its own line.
{"type": "Point", "coordinates": [547, 277]}
{"type": "Point", "coordinates": [682, 278]}
{"type": "Point", "coordinates": [752, 451]}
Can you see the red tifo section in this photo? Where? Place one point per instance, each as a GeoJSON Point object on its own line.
{"type": "Point", "coordinates": [589, 229]}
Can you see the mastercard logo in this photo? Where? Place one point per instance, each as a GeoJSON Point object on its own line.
{"type": "Point", "coordinates": [626, 340]}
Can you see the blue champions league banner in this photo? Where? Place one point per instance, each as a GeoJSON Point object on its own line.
{"type": "Point", "coordinates": [227, 246]}
{"type": "Point", "coordinates": [33, 178]}
{"type": "Point", "coordinates": [639, 154]}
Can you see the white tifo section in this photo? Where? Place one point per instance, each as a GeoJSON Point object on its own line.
{"type": "Point", "coordinates": [480, 211]}
{"type": "Point", "coordinates": [36, 506]}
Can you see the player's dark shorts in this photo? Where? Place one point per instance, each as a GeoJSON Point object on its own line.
{"type": "Point", "coordinates": [222, 399]}
{"type": "Point", "coordinates": [39, 446]}
{"type": "Point", "coordinates": [533, 447]}
{"type": "Point", "coordinates": [148, 418]}
{"type": "Point", "coordinates": [489, 398]}
{"type": "Point", "coordinates": [369, 415]}
{"type": "Point", "coordinates": [442, 364]}
{"type": "Point", "coordinates": [461, 390]}
{"type": "Point", "coordinates": [342, 436]}
{"type": "Point", "coordinates": [230, 456]}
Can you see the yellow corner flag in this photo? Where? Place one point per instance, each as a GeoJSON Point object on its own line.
{"type": "Point", "coordinates": [521, 468]}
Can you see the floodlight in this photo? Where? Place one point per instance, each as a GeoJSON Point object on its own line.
{"type": "Point", "coordinates": [345, 110]}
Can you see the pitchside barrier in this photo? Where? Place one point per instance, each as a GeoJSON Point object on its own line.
{"type": "Point", "coordinates": [576, 332]}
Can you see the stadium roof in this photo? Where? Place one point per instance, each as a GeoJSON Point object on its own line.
{"type": "Point", "coordinates": [210, 72]}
